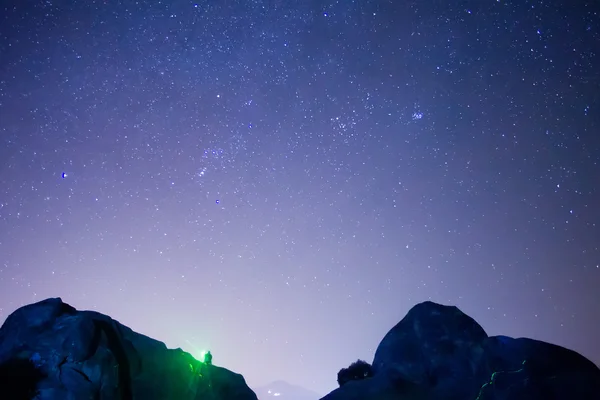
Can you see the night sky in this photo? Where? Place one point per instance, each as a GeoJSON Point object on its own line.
{"type": "Point", "coordinates": [281, 181]}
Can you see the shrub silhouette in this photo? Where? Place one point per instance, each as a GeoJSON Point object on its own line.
{"type": "Point", "coordinates": [19, 378]}
{"type": "Point", "coordinates": [356, 371]}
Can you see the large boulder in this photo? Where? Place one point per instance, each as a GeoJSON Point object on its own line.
{"type": "Point", "coordinates": [521, 369]}
{"type": "Point", "coordinates": [87, 355]}
{"type": "Point", "coordinates": [437, 352]}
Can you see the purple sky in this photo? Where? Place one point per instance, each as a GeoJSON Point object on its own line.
{"type": "Point", "coordinates": [280, 181]}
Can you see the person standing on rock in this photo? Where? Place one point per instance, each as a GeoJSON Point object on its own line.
{"type": "Point", "coordinates": [208, 358]}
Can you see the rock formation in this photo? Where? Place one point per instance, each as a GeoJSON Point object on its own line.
{"type": "Point", "coordinates": [437, 352]}
{"type": "Point", "coordinates": [87, 355]}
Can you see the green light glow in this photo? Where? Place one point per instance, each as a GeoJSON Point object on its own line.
{"type": "Point", "coordinates": [493, 378]}
{"type": "Point", "coordinates": [196, 352]}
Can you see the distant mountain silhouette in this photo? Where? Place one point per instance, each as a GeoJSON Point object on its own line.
{"type": "Point", "coordinates": [285, 391]}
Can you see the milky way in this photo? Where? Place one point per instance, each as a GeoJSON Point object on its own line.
{"type": "Point", "coordinates": [280, 181]}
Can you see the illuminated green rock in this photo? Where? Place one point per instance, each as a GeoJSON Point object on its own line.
{"type": "Point", "coordinates": [88, 355]}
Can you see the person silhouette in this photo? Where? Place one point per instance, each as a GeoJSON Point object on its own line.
{"type": "Point", "coordinates": [208, 358]}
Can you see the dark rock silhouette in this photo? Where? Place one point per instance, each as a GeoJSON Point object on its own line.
{"type": "Point", "coordinates": [65, 354]}
{"type": "Point", "coordinates": [19, 378]}
{"type": "Point", "coordinates": [51, 351]}
{"type": "Point", "coordinates": [437, 352]}
{"type": "Point", "coordinates": [356, 371]}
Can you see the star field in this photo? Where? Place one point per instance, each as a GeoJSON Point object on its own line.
{"type": "Point", "coordinates": [280, 181]}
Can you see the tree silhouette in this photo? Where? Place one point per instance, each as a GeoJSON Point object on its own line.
{"type": "Point", "coordinates": [356, 371]}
